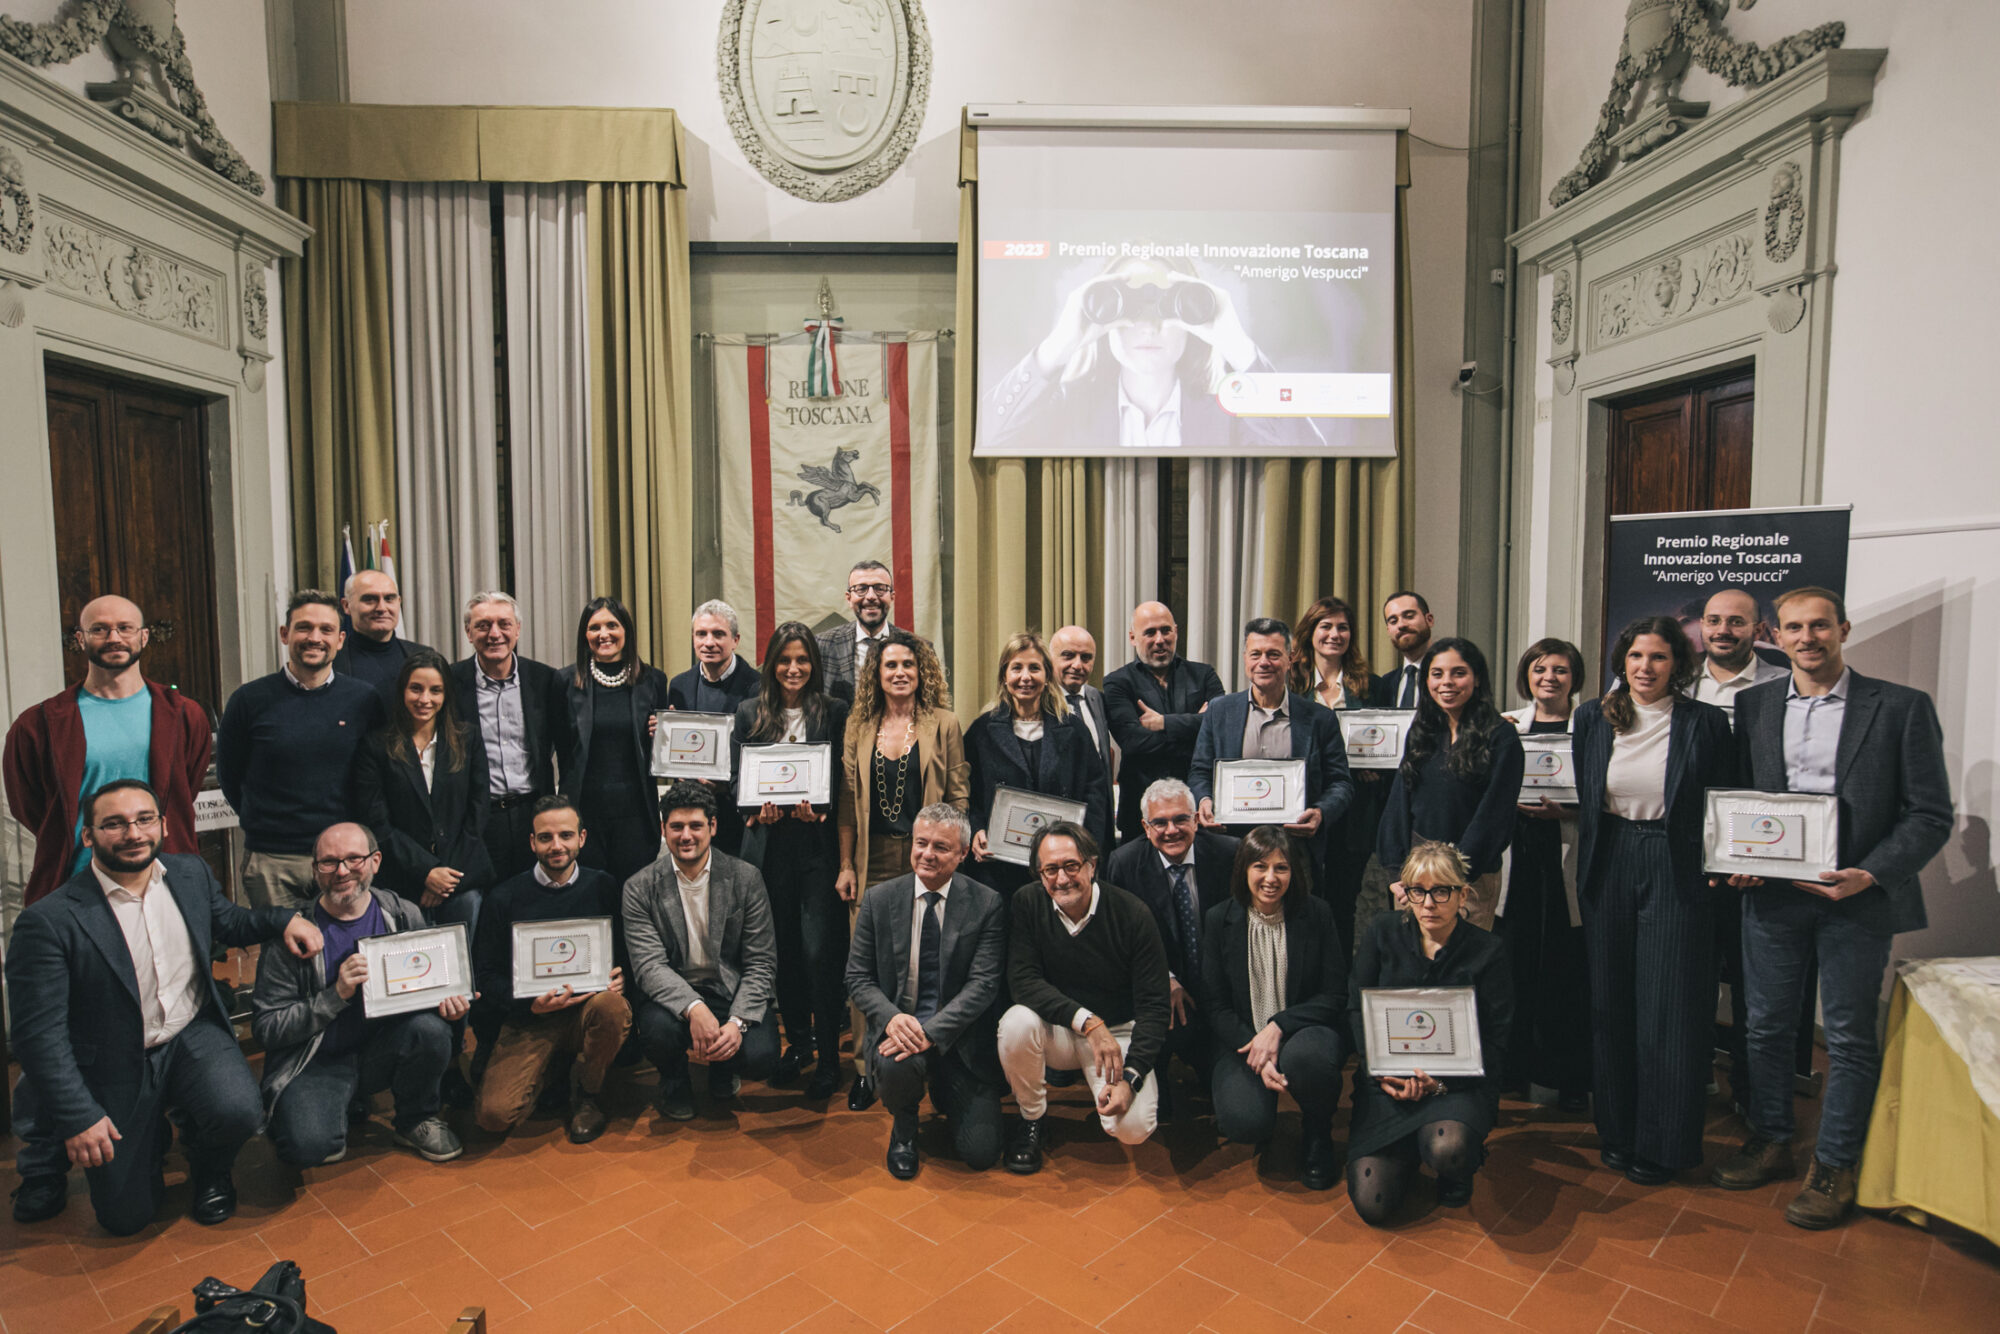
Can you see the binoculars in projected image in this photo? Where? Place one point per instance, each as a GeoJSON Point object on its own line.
{"type": "Point", "coordinates": [1108, 301]}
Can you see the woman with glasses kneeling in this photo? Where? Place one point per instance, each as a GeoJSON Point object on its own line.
{"type": "Point", "coordinates": [1274, 982]}
{"type": "Point", "coordinates": [1399, 1122]}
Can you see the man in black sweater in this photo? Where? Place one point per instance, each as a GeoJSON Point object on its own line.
{"type": "Point", "coordinates": [1154, 706]}
{"type": "Point", "coordinates": [285, 752]}
{"type": "Point", "coordinates": [1089, 980]}
{"type": "Point", "coordinates": [534, 1033]}
{"type": "Point", "coordinates": [373, 654]}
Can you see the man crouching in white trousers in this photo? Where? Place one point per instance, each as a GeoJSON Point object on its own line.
{"type": "Point", "coordinates": [1089, 979]}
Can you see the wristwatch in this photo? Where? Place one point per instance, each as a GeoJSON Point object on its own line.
{"type": "Point", "coordinates": [737, 1020]}
{"type": "Point", "coordinates": [1136, 1079]}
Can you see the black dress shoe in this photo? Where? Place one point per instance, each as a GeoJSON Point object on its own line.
{"type": "Point", "coordinates": [1454, 1193]}
{"type": "Point", "coordinates": [214, 1199]}
{"type": "Point", "coordinates": [1320, 1171]}
{"type": "Point", "coordinates": [1642, 1173]}
{"type": "Point", "coordinates": [902, 1157]}
{"type": "Point", "coordinates": [1573, 1104]}
{"type": "Point", "coordinates": [1615, 1159]}
{"type": "Point", "coordinates": [861, 1096]}
{"type": "Point", "coordinates": [825, 1082]}
{"type": "Point", "coordinates": [40, 1198]}
{"type": "Point", "coordinates": [1024, 1155]}
{"type": "Point", "coordinates": [792, 1064]}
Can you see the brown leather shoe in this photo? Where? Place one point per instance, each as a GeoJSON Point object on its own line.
{"type": "Point", "coordinates": [586, 1118]}
{"type": "Point", "coordinates": [1827, 1199]}
{"type": "Point", "coordinates": [1757, 1163]}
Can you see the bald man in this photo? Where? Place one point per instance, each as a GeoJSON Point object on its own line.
{"type": "Point", "coordinates": [1075, 653]}
{"type": "Point", "coordinates": [372, 654]}
{"type": "Point", "coordinates": [1154, 705]}
{"type": "Point", "coordinates": [1730, 629]}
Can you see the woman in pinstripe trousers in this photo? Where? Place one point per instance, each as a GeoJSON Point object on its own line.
{"type": "Point", "coordinates": [1644, 755]}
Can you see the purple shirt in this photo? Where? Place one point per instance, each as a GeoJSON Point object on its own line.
{"type": "Point", "coordinates": [347, 1031]}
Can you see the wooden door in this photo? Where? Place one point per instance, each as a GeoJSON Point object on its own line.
{"type": "Point", "coordinates": [130, 464]}
{"type": "Point", "coordinates": [1685, 447]}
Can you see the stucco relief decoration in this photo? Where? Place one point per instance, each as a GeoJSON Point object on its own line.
{"type": "Point", "coordinates": [1562, 310]}
{"type": "Point", "coordinates": [17, 206]}
{"type": "Point", "coordinates": [825, 97]}
{"type": "Point", "coordinates": [256, 302]}
{"type": "Point", "coordinates": [142, 283]}
{"type": "Point", "coordinates": [1716, 274]}
{"type": "Point", "coordinates": [1785, 215]}
{"type": "Point", "coordinates": [1662, 39]}
{"type": "Point", "coordinates": [155, 89]}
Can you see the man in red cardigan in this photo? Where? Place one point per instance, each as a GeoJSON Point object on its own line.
{"type": "Point", "coordinates": [54, 752]}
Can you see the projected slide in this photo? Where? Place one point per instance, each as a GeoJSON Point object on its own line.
{"type": "Point", "coordinates": [1161, 292]}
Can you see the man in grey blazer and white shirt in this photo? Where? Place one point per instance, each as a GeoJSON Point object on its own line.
{"type": "Point", "coordinates": [1075, 653]}
{"type": "Point", "coordinates": [871, 591]}
{"type": "Point", "coordinates": [925, 967]}
{"type": "Point", "coordinates": [704, 954]}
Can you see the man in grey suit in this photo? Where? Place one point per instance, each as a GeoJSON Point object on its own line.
{"type": "Point", "coordinates": [1075, 653]}
{"type": "Point", "coordinates": [704, 954]}
{"type": "Point", "coordinates": [1877, 748]}
{"type": "Point", "coordinates": [871, 591]}
{"type": "Point", "coordinates": [924, 967]}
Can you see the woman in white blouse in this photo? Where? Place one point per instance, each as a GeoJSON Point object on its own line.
{"type": "Point", "coordinates": [1645, 753]}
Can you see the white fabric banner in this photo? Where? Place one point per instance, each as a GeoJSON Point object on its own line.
{"type": "Point", "coordinates": [811, 485]}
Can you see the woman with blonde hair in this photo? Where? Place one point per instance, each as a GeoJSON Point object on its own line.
{"type": "Point", "coordinates": [1031, 741]}
{"type": "Point", "coordinates": [902, 751]}
{"type": "Point", "coordinates": [1401, 1121]}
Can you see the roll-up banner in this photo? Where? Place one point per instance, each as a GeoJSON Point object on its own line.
{"type": "Point", "coordinates": [1671, 564]}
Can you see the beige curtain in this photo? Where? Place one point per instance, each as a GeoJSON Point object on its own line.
{"type": "Point", "coordinates": [337, 371]}
{"type": "Point", "coordinates": [641, 362]}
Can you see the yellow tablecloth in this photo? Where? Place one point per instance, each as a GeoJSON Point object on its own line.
{"type": "Point", "coordinates": [1933, 1142]}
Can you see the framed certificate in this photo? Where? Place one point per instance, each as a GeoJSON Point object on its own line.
{"type": "Point", "coordinates": [1018, 816]}
{"type": "Point", "coordinates": [1777, 835]}
{"type": "Point", "coordinates": [574, 952]}
{"type": "Point", "coordinates": [1433, 1029]}
{"type": "Point", "coordinates": [1375, 737]}
{"type": "Point", "coordinates": [692, 745]}
{"type": "Point", "coordinates": [414, 970]}
{"type": "Point", "coordinates": [785, 775]}
{"type": "Point", "coordinates": [1259, 791]}
{"type": "Point", "coordinates": [1550, 771]}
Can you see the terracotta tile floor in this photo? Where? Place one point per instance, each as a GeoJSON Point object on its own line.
{"type": "Point", "coordinates": [768, 1216]}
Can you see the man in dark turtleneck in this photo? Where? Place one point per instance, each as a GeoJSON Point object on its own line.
{"type": "Point", "coordinates": [373, 655]}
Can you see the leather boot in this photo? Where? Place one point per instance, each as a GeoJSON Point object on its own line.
{"type": "Point", "coordinates": [1757, 1163]}
{"type": "Point", "coordinates": [1827, 1198]}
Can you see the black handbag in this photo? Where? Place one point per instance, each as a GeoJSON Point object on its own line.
{"type": "Point", "coordinates": [275, 1305]}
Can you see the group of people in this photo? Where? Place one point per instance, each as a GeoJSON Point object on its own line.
{"type": "Point", "coordinates": [381, 788]}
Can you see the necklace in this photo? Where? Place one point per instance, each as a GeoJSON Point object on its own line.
{"type": "Point", "coordinates": [611, 680]}
{"type": "Point", "coordinates": [893, 812]}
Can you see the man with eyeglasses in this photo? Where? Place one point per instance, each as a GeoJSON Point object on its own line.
{"type": "Point", "coordinates": [844, 649]}
{"type": "Point", "coordinates": [1179, 871]}
{"type": "Point", "coordinates": [321, 1051]}
{"type": "Point", "coordinates": [1089, 979]}
{"type": "Point", "coordinates": [117, 1021]}
{"type": "Point", "coordinates": [505, 694]}
{"type": "Point", "coordinates": [116, 724]}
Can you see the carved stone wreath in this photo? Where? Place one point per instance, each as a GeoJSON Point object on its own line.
{"type": "Point", "coordinates": [1562, 310]}
{"type": "Point", "coordinates": [1785, 215]}
{"type": "Point", "coordinates": [824, 97]}
{"type": "Point", "coordinates": [256, 302]}
{"type": "Point", "coordinates": [15, 236]}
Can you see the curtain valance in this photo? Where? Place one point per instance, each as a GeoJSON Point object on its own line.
{"type": "Point", "coordinates": [366, 141]}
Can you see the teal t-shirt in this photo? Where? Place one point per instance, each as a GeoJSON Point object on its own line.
{"type": "Point", "coordinates": [117, 743]}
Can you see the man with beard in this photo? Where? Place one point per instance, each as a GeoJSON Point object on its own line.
{"type": "Point", "coordinates": [285, 752]}
{"type": "Point", "coordinates": [1154, 706]}
{"type": "Point", "coordinates": [1409, 621]}
{"type": "Point", "coordinates": [1075, 653]}
{"type": "Point", "coordinates": [321, 1051]}
{"type": "Point", "coordinates": [373, 654]}
{"type": "Point", "coordinates": [117, 724]}
{"type": "Point", "coordinates": [117, 1021]}
{"type": "Point", "coordinates": [1730, 629]}
{"type": "Point", "coordinates": [845, 648]}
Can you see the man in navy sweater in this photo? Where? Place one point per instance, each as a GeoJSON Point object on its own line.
{"type": "Point", "coordinates": [373, 654]}
{"type": "Point", "coordinates": [286, 751]}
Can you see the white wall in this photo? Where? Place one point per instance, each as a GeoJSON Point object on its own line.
{"type": "Point", "coordinates": [1392, 53]}
{"type": "Point", "coordinates": [1908, 438]}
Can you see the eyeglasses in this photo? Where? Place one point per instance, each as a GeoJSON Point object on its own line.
{"type": "Point", "coordinates": [1430, 894]}
{"type": "Point", "coordinates": [113, 631]}
{"type": "Point", "coordinates": [1061, 870]}
{"type": "Point", "coordinates": [1162, 823]}
{"type": "Point", "coordinates": [116, 825]}
{"type": "Point", "coordinates": [334, 865]}
{"type": "Point", "coordinates": [864, 590]}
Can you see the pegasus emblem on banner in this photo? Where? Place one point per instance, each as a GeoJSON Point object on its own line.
{"type": "Point", "coordinates": [835, 486]}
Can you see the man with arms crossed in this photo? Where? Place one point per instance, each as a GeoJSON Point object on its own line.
{"type": "Point", "coordinates": [506, 696]}
{"type": "Point", "coordinates": [1154, 706]}
{"type": "Point", "coordinates": [925, 968]}
{"type": "Point", "coordinates": [1877, 747]}
{"type": "Point", "coordinates": [1089, 981]}
{"type": "Point", "coordinates": [117, 1021]}
{"type": "Point", "coordinates": [321, 1051]}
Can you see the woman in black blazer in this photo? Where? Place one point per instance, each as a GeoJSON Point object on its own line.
{"type": "Point", "coordinates": [1400, 1121]}
{"type": "Point", "coordinates": [1330, 669]}
{"type": "Point", "coordinates": [1645, 753]}
{"type": "Point", "coordinates": [603, 713]}
{"type": "Point", "coordinates": [1030, 740]}
{"type": "Point", "coordinates": [1461, 774]}
{"type": "Point", "coordinates": [420, 784]}
{"type": "Point", "coordinates": [797, 848]}
{"type": "Point", "coordinates": [1274, 987]}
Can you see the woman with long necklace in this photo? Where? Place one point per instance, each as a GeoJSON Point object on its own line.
{"type": "Point", "coordinates": [603, 714]}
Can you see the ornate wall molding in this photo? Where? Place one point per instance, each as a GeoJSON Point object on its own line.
{"type": "Point", "coordinates": [824, 97]}
{"type": "Point", "coordinates": [17, 206]}
{"type": "Point", "coordinates": [256, 302]}
{"type": "Point", "coordinates": [132, 278]}
{"type": "Point", "coordinates": [1785, 215]}
{"type": "Point", "coordinates": [1562, 308]}
{"type": "Point", "coordinates": [1705, 277]}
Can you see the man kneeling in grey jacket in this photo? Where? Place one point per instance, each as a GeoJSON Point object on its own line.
{"type": "Point", "coordinates": [321, 1051]}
